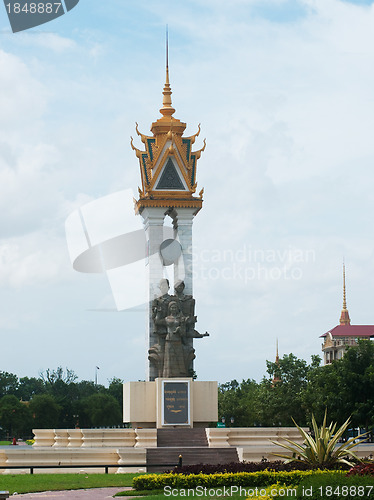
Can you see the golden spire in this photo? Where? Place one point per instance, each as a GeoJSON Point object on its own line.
{"type": "Point", "coordinates": [344, 317]}
{"type": "Point", "coordinates": [167, 109]}
{"type": "Point", "coordinates": [277, 356]}
{"type": "Point", "coordinates": [276, 377]}
{"type": "Point", "coordinates": [344, 295]}
{"type": "Point", "coordinates": [167, 150]}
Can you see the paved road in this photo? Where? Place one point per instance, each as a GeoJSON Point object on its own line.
{"type": "Point", "coordinates": [90, 494]}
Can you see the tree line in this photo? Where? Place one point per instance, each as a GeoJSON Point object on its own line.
{"type": "Point", "coordinates": [294, 389]}
{"type": "Point", "coordinates": [56, 400]}
{"type": "Point", "coordinates": [291, 389]}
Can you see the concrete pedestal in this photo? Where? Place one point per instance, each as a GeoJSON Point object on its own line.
{"type": "Point", "coordinates": [165, 403]}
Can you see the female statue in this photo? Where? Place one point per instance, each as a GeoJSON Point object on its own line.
{"type": "Point", "coordinates": [174, 355]}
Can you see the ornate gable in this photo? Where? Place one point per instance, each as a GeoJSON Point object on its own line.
{"type": "Point", "coordinates": [168, 164]}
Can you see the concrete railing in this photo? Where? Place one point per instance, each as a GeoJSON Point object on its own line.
{"type": "Point", "coordinates": [28, 457]}
{"type": "Point", "coordinates": [250, 436]}
{"type": "Point", "coordinates": [147, 438]}
{"type": "Point", "coordinates": [85, 438]}
{"type": "Point", "coordinates": [67, 460]}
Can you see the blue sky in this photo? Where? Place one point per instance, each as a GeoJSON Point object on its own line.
{"type": "Point", "coordinates": [283, 91]}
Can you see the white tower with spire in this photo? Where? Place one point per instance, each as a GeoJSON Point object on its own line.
{"type": "Point", "coordinates": [168, 173]}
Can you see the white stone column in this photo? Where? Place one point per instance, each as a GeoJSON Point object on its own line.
{"type": "Point", "coordinates": [153, 220]}
{"type": "Point", "coordinates": [183, 269]}
{"type": "Point", "coordinates": [183, 219]}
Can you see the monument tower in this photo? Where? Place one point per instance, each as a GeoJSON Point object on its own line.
{"type": "Point", "coordinates": [168, 164]}
{"type": "Point", "coordinates": [168, 169]}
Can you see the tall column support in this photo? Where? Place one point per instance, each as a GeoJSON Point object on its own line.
{"type": "Point", "coordinates": [153, 220]}
{"type": "Point", "coordinates": [183, 269]}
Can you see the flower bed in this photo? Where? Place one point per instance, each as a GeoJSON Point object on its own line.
{"type": "Point", "coordinates": [364, 469]}
{"type": "Point", "coordinates": [247, 467]}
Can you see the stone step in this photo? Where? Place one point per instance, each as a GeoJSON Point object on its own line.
{"type": "Point", "coordinates": [190, 456]}
{"type": "Point", "coordinates": [181, 437]}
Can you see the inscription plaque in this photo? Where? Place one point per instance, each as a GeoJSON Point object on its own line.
{"type": "Point", "coordinates": [176, 403]}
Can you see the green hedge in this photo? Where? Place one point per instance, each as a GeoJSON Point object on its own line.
{"type": "Point", "coordinates": [244, 479]}
{"type": "Point", "coordinates": [334, 487]}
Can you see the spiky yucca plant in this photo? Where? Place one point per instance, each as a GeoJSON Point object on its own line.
{"type": "Point", "coordinates": [322, 450]}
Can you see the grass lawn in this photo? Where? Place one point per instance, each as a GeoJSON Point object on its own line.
{"type": "Point", "coordinates": [30, 483]}
{"type": "Point", "coordinates": [4, 443]}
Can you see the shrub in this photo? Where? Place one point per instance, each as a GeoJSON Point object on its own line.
{"type": "Point", "coordinates": [322, 449]}
{"type": "Point", "coordinates": [244, 479]}
{"type": "Point", "coordinates": [365, 469]}
{"type": "Point", "coordinates": [248, 467]}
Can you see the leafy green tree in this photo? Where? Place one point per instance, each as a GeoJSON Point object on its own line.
{"type": "Point", "coordinates": [45, 411]}
{"type": "Point", "coordinates": [60, 384]}
{"type": "Point", "coordinates": [345, 387]}
{"type": "Point", "coordinates": [357, 375]}
{"type": "Point", "coordinates": [282, 400]}
{"type": "Point", "coordinates": [238, 402]}
{"type": "Point", "coordinates": [15, 417]}
{"type": "Point", "coordinates": [102, 410]}
{"type": "Point", "coordinates": [321, 393]}
{"type": "Point", "coordinates": [8, 383]}
{"type": "Point", "coordinates": [116, 389]}
{"type": "Point", "coordinates": [78, 394]}
{"type": "Point", "coordinates": [86, 388]}
{"type": "Point", "coordinates": [51, 377]}
{"type": "Point", "coordinates": [29, 387]}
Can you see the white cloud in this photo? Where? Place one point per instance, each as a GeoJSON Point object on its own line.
{"type": "Point", "coordinates": [50, 41]}
{"type": "Point", "coordinates": [287, 111]}
{"type": "Point", "coordinates": [31, 260]}
{"type": "Point", "coordinates": [22, 97]}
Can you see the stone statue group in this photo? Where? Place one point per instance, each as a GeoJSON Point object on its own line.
{"type": "Point", "coordinates": [174, 327]}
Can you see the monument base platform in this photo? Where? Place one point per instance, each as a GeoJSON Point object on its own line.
{"type": "Point", "coordinates": [167, 403]}
{"type": "Point", "coordinates": [120, 448]}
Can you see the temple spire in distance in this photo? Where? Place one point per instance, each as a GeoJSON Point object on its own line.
{"type": "Point", "coordinates": [344, 317]}
{"type": "Point", "coordinates": [277, 377]}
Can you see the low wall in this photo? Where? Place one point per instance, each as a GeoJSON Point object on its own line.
{"type": "Point", "coordinates": [115, 458]}
{"type": "Point", "coordinates": [250, 436]}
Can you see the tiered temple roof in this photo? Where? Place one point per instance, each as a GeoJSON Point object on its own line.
{"type": "Point", "coordinates": [168, 164]}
